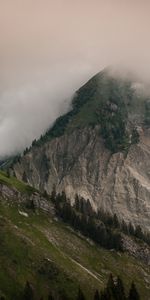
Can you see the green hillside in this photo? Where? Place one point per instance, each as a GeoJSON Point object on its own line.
{"type": "Point", "coordinates": [13, 182]}
{"type": "Point", "coordinates": [52, 257]}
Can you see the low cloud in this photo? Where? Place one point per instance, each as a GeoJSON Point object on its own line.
{"type": "Point", "coordinates": [50, 48]}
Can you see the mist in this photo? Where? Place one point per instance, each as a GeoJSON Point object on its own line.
{"type": "Point", "coordinates": [48, 49]}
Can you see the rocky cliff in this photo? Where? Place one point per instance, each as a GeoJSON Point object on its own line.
{"type": "Point", "coordinates": [13, 192]}
{"type": "Point", "coordinates": [100, 150]}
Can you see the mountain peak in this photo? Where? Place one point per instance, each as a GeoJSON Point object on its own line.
{"type": "Point", "coordinates": [115, 103]}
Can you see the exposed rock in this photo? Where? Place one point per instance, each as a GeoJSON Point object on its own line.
{"type": "Point", "coordinates": [78, 162]}
{"type": "Point", "coordinates": [136, 249]}
{"type": "Point", "coordinates": [35, 200]}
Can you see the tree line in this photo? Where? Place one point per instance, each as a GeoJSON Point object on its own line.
{"type": "Point", "coordinates": [103, 228]}
{"type": "Point", "coordinates": [114, 290]}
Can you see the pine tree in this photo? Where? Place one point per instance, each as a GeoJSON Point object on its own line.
{"type": "Point", "coordinates": [138, 232]}
{"type": "Point", "coordinates": [24, 177]}
{"type": "Point", "coordinates": [96, 296]}
{"type": "Point", "coordinates": [115, 221]}
{"type": "Point", "coordinates": [28, 292]}
{"type": "Point", "coordinates": [120, 292]}
{"type": "Point", "coordinates": [80, 295]}
{"type": "Point", "coordinates": [50, 297]}
{"type": "Point", "coordinates": [77, 203]}
{"type": "Point", "coordinates": [53, 194]}
{"type": "Point", "coordinates": [110, 290]}
{"type": "Point", "coordinates": [133, 293]}
{"type": "Point", "coordinates": [131, 230]}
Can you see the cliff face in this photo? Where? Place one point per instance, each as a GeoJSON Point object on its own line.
{"type": "Point", "coordinates": [99, 150]}
{"type": "Point", "coordinates": [79, 163]}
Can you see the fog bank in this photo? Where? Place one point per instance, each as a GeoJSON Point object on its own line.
{"type": "Point", "coordinates": [48, 49]}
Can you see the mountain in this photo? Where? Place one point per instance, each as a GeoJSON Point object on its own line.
{"type": "Point", "coordinates": [40, 254]}
{"type": "Point", "coordinates": [74, 208]}
{"type": "Point", "coordinates": [99, 150]}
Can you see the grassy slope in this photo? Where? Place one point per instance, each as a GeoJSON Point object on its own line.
{"type": "Point", "coordinates": [41, 243]}
{"type": "Point", "coordinates": [48, 253]}
{"type": "Point", "coordinates": [15, 183]}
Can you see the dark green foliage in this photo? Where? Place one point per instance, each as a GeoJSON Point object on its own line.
{"type": "Point", "coordinates": [113, 126]}
{"type": "Point", "coordinates": [50, 297]}
{"type": "Point", "coordinates": [25, 151]}
{"type": "Point", "coordinates": [133, 293]}
{"type": "Point", "coordinates": [80, 295]}
{"type": "Point", "coordinates": [138, 232]}
{"type": "Point", "coordinates": [103, 228]}
{"type": "Point", "coordinates": [85, 221]}
{"type": "Point", "coordinates": [30, 205]}
{"type": "Point", "coordinates": [28, 293]}
{"type": "Point", "coordinates": [53, 194]}
{"type": "Point", "coordinates": [110, 288]}
{"type": "Point", "coordinates": [114, 290]}
{"type": "Point", "coordinates": [24, 177]}
{"type": "Point", "coordinates": [96, 295]}
{"type": "Point", "coordinates": [57, 129]}
{"type": "Point", "coordinates": [119, 289]}
{"type": "Point", "coordinates": [129, 229]}
{"type": "Point", "coordinates": [110, 100]}
{"type": "Point", "coordinates": [135, 136]}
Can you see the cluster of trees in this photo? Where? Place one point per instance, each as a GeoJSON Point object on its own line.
{"type": "Point", "coordinates": [102, 227]}
{"type": "Point", "coordinates": [114, 290]}
{"type": "Point", "coordinates": [86, 223]}
{"type": "Point", "coordinates": [128, 229]}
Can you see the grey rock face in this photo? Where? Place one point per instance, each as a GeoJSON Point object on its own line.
{"type": "Point", "coordinates": [78, 162]}
{"type": "Point", "coordinates": [140, 251]}
{"type": "Point", "coordinates": [10, 194]}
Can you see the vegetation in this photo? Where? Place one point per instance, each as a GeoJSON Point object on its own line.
{"type": "Point", "coordinates": [113, 291]}
{"type": "Point", "coordinates": [42, 256]}
{"type": "Point", "coordinates": [87, 223]}
{"type": "Point", "coordinates": [13, 182]}
{"type": "Point", "coordinates": [101, 227]}
{"type": "Point", "coordinates": [103, 101]}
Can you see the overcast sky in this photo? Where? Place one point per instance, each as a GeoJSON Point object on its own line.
{"type": "Point", "coordinates": [49, 48]}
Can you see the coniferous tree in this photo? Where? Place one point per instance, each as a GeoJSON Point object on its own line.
{"type": "Point", "coordinates": [120, 292]}
{"type": "Point", "coordinates": [24, 177]}
{"type": "Point", "coordinates": [96, 295]}
{"type": "Point", "coordinates": [110, 290]}
{"type": "Point", "coordinates": [133, 293]}
{"type": "Point", "coordinates": [131, 230]}
{"type": "Point", "coordinates": [28, 293]}
{"type": "Point", "coordinates": [53, 194]}
{"type": "Point", "coordinates": [138, 232]}
{"type": "Point", "coordinates": [80, 295]}
{"type": "Point", "coordinates": [77, 203]}
{"type": "Point", "coordinates": [50, 297]}
{"type": "Point", "coordinates": [115, 221]}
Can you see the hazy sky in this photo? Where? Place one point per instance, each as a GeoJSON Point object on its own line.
{"type": "Point", "coordinates": [49, 48]}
